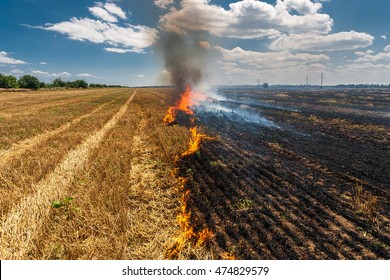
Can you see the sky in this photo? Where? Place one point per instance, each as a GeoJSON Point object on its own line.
{"type": "Point", "coordinates": [247, 41]}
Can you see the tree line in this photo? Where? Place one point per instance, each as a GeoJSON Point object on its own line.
{"type": "Point", "coordinates": [31, 82]}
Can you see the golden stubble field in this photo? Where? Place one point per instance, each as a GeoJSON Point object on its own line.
{"type": "Point", "coordinates": [96, 174]}
{"type": "Point", "coordinates": [87, 174]}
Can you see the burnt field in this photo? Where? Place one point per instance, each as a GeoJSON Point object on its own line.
{"type": "Point", "coordinates": [293, 174]}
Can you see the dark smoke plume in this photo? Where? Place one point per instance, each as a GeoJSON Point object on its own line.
{"type": "Point", "coordinates": [185, 58]}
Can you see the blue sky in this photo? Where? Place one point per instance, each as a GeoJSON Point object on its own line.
{"type": "Point", "coordinates": [279, 42]}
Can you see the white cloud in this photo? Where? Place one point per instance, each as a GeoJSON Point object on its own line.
{"type": "Point", "coordinates": [99, 32]}
{"type": "Point", "coordinates": [4, 58]}
{"type": "Point", "coordinates": [115, 10]}
{"type": "Point", "coordinates": [301, 6]}
{"type": "Point", "coordinates": [367, 52]}
{"type": "Point", "coordinates": [362, 72]}
{"type": "Point", "coordinates": [141, 76]}
{"type": "Point", "coordinates": [243, 66]}
{"type": "Point", "coordinates": [43, 63]}
{"type": "Point", "coordinates": [108, 12]}
{"type": "Point", "coordinates": [122, 50]}
{"type": "Point", "coordinates": [240, 56]}
{"type": "Point", "coordinates": [62, 74]}
{"type": "Point", "coordinates": [40, 73]}
{"type": "Point", "coordinates": [371, 57]}
{"type": "Point", "coordinates": [247, 18]}
{"type": "Point", "coordinates": [103, 14]}
{"type": "Point", "coordinates": [47, 74]}
{"type": "Point", "coordinates": [106, 29]}
{"type": "Point", "coordinates": [86, 75]}
{"type": "Point", "coordinates": [384, 37]}
{"type": "Point", "coordinates": [315, 42]}
{"type": "Point", "coordinates": [163, 3]}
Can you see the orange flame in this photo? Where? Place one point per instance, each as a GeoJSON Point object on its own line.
{"type": "Point", "coordinates": [186, 101]}
{"type": "Point", "coordinates": [187, 232]}
{"type": "Point", "coordinates": [184, 104]}
{"type": "Point", "coordinates": [195, 141]}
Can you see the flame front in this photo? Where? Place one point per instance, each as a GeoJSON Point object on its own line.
{"type": "Point", "coordinates": [195, 141]}
{"type": "Point", "coordinates": [184, 104]}
{"type": "Point", "coordinates": [199, 239]}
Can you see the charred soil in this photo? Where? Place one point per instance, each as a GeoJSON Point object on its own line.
{"type": "Point", "coordinates": [314, 187]}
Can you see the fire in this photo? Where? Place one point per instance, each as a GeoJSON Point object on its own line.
{"type": "Point", "coordinates": [187, 232]}
{"type": "Point", "coordinates": [195, 141]}
{"type": "Point", "coordinates": [184, 104]}
{"type": "Point", "coordinates": [188, 99]}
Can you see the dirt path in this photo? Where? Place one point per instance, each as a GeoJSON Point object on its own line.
{"type": "Point", "coordinates": [19, 148]}
{"type": "Point", "coordinates": [23, 224]}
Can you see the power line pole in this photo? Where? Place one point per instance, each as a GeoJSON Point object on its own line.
{"type": "Point", "coordinates": [307, 80]}
{"type": "Point", "coordinates": [322, 79]}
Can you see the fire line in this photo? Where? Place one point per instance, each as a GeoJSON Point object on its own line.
{"type": "Point", "coordinates": [187, 234]}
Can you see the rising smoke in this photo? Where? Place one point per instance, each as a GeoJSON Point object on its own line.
{"type": "Point", "coordinates": [185, 58]}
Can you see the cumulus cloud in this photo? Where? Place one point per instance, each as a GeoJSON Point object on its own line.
{"type": "Point", "coordinates": [43, 62]}
{"type": "Point", "coordinates": [301, 6]}
{"type": "Point", "coordinates": [248, 19]}
{"type": "Point", "coordinates": [384, 37]}
{"type": "Point", "coordinates": [369, 57]}
{"type": "Point", "coordinates": [367, 52]}
{"type": "Point", "coordinates": [103, 14]}
{"type": "Point", "coordinates": [141, 76]}
{"type": "Point", "coordinates": [96, 31]}
{"type": "Point", "coordinates": [4, 58]}
{"type": "Point", "coordinates": [115, 10]}
{"type": "Point", "coordinates": [122, 50]}
{"type": "Point", "coordinates": [107, 12]}
{"type": "Point", "coordinates": [315, 42]}
{"type": "Point", "coordinates": [276, 67]}
{"type": "Point", "coordinates": [40, 73]}
{"type": "Point", "coordinates": [86, 75]}
{"type": "Point", "coordinates": [105, 29]}
{"type": "Point", "coordinates": [238, 55]}
{"type": "Point", "coordinates": [48, 74]}
{"type": "Point", "coordinates": [163, 4]}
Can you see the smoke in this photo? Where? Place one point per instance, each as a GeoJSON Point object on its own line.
{"type": "Point", "coordinates": [220, 106]}
{"type": "Point", "coordinates": [185, 58]}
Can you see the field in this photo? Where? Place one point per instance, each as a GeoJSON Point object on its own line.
{"type": "Point", "coordinates": [96, 174]}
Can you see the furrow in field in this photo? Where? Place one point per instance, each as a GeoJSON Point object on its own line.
{"type": "Point", "coordinates": [18, 149]}
{"type": "Point", "coordinates": [23, 224]}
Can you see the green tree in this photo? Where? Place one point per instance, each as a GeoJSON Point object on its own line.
{"type": "Point", "coordinates": [265, 85]}
{"type": "Point", "coordinates": [28, 81]}
{"type": "Point", "coordinates": [80, 84]}
{"type": "Point", "coordinates": [58, 83]}
{"type": "Point", "coordinates": [8, 82]}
